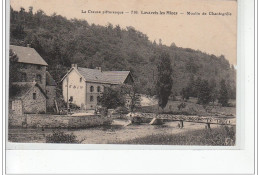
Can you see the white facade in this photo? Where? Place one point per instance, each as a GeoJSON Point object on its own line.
{"type": "Point", "coordinates": [83, 87]}
{"type": "Point", "coordinates": [74, 86]}
{"type": "Point", "coordinates": [84, 94]}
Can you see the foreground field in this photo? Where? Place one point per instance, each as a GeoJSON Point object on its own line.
{"type": "Point", "coordinates": [222, 136]}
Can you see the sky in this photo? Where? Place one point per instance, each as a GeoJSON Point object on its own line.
{"type": "Point", "coordinates": [213, 34]}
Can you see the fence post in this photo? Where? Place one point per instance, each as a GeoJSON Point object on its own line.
{"type": "Point", "coordinates": [180, 124]}
{"type": "Point", "coordinates": [207, 126]}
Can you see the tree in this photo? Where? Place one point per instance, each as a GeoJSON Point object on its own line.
{"type": "Point", "coordinates": [204, 93]}
{"type": "Point", "coordinates": [13, 68]}
{"type": "Point", "coordinates": [214, 91]}
{"type": "Point", "coordinates": [131, 92]}
{"type": "Point", "coordinates": [185, 94]}
{"type": "Point", "coordinates": [189, 90]}
{"type": "Point", "coordinates": [112, 98]}
{"type": "Point", "coordinates": [197, 85]}
{"type": "Point", "coordinates": [164, 81]}
{"type": "Point", "coordinates": [223, 94]}
{"type": "Point", "coordinates": [14, 72]}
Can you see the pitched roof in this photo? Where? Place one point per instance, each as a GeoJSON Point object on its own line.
{"type": "Point", "coordinates": [49, 80]}
{"type": "Point", "coordinates": [98, 76]}
{"type": "Point", "coordinates": [20, 89]}
{"type": "Point", "coordinates": [117, 76]}
{"type": "Point", "coordinates": [28, 55]}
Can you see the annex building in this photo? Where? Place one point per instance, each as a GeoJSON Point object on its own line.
{"type": "Point", "coordinates": [34, 89]}
{"type": "Point", "coordinates": [84, 87]}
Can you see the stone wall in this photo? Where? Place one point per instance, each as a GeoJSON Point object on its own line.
{"type": "Point", "coordinates": [37, 105]}
{"type": "Point", "coordinates": [32, 71]}
{"type": "Point", "coordinates": [56, 121]}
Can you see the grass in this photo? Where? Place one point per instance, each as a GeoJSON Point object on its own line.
{"type": "Point", "coordinates": [222, 136]}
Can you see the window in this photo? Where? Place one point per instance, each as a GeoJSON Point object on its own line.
{"type": "Point", "coordinates": [91, 98]}
{"type": "Point", "coordinates": [91, 88]}
{"type": "Point", "coordinates": [98, 99]}
{"type": "Point", "coordinates": [80, 80]}
{"type": "Point", "coordinates": [39, 78]}
{"type": "Point", "coordinates": [71, 99]}
{"type": "Point", "coordinates": [38, 67]}
{"type": "Point", "coordinates": [98, 88]}
{"type": "Point", "coordinates": [23, 78]}
{"type": "Point", "coordinates": [34, 96]}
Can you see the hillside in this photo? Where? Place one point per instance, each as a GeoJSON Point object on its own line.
{"type": "Point", "coordinates": [62, 42]}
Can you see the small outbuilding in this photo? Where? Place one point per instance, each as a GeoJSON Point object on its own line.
{"type": "Point", "coordinates": [27, 98]}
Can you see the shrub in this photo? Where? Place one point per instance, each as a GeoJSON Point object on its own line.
{"type": "Point", "coordinates": [61, 137]}
{"type": "Point", "coordinates": [103, 111]}
{"type": "Point", "coordinates": [74, 106]}
{"type": "Point", "coordinates": [181, 106]}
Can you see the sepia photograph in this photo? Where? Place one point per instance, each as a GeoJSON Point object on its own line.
{"type": "Point", "coordinates": [123, 72]}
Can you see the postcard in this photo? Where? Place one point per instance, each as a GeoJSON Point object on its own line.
{"type": "Point", "coordinates": [123, 72]}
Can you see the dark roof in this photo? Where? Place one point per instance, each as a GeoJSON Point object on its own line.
{"type": "Point", "coordinates": [28, 55]}
{"type": "Point", "coordinates": [111, 77]}
{"type": "Point", "coordinates": [20, 89]}
{"type": "Point", "coordinates": [117, 76]}
{"type": "Point", "coordinates": [49, 80]}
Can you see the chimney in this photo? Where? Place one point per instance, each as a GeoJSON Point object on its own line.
{"type": "Point", "coordinates": [99, 68]}
{"type": "Point", "coordinates": [28, 45]}
{"type": "Point", "coordinates": [74, 65]}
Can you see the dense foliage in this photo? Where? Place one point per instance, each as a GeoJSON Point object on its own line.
{"type": "Point", "coordinates": [112, 97]}
{"type": "Point", "coordinates": [62, 42]}
{"type": "Point", "coordinates": [223, 94]}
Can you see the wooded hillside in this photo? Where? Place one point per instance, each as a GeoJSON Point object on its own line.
{"type": "Point", "coordinates": [62, 42]}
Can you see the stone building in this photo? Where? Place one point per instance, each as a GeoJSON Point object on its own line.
{"type": "Point", "coordinates": [27, 97]}
{"type": "Point", "coordinates": [33, 68]}
{"type": "Point", "coordinates": [31, 65]}
{"type": "Point", "coordinates": [84, 87]}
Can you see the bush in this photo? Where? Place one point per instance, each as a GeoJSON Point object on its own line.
{"type": "Point", "coordinates": [103, 111]}
{"type": "Point", "coordinates": [181, 106]}
{"type": "Point", "coordinates": [74, 106]}
{"type": "Point", "coordinates": [61, 137]}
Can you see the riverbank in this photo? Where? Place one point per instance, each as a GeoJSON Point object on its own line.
{"type": "Point", "coordinates": [115, 133]}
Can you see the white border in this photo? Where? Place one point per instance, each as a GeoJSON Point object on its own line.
{"type": "Point", "coordinates": [161, 161]}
